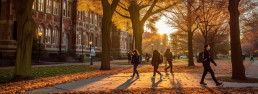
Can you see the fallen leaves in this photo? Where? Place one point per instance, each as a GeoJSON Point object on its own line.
{"type": "Point", "coordinates": [187, 90]}
{"type": "Point", "coordinates": [22, 86]}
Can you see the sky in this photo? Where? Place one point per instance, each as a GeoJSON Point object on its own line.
{"type": "Point", "coordinates": [163, 27]}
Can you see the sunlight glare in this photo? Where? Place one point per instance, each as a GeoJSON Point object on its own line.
{"type": "Point", "coordinates": [163, 27]}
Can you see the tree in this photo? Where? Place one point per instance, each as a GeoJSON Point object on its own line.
{"type": "Point", "coordinates": [138, 11]}
{"type": "Point", "coordinates": [185, 18]}
{"type": "Point", "coordinates": [238, 70]}
{"type": "Point", "coordinates": [26, 29]}
{"type": "Point", "coordinates": [179, 42]}
{"type": "Point", "coordinates": [108, 9]}
{"type": "Point", "coordinates": [248, 24]}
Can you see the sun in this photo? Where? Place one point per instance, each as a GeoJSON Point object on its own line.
{"type": "Point", "coordinates": [163, 27]}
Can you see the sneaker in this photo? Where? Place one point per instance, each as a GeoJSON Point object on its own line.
{"type": "Point", "coordinates": [138, 77]}
{"type": "Point", "coordinates": [218, 84]}
{"type": "Point", "coordinates": [153, 77]}
{"type": "Point", "coordinates": [202, 83]}
{"type": "Point", "coordinates": [171, 72]}
{"type": "Point", "coordinates": [132, 76]}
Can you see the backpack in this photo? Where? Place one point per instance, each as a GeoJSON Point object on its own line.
{"type": "Point", "coordinates": [201, 57]}
{"type": "Point", "coordinates": [160, 59]}
{"type": "Point", "coordinates": [140, 59]}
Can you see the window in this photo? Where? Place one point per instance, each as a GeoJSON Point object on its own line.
{"type": "Point", "coordinates": [33, 5]}
{"type": "Point", "coordinates": [100, 21]}
{"type": "Point", "coordinates": [55, 9]}
{"type": "Point", "coordinates": [91, 17]}
{"type": "Point", "coordinates": [55, 37]}
{"type": "Point", "coordinates": [86, 40]}
{"type": "Point", "coordinates": [125, 43]}
{"type": "Point", "coordinates": [89, 40]}
{"type": "Point", "coordinates": [86, 13]}
{"type": "Point", "coordinates": [79, 15]}
{"type": "Point", "coordinates": [48, 35]}
{"type": "Point", "coordinates": [64, 9]}
{"type": "Point", "coordinates": [48, 7]}
{"type": "Point", "coordinates": [95, 19]}
{"type": "Point", "coordinates": [41, 5]}
{"type": "Point", "coordinates": [96, 42]}
{"type": "Point", "coordinates": [79, 39]}
{"type": "Point", "coordinates": [69, 10]}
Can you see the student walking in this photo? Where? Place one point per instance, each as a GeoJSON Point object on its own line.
{"type": "Point", "coordinates": [135, 62]}
{"type": "Point", "coordinates": [206, 58]}
{"type": "Point", "coordinates": [251, 58]}
{"type": "Point", "coordinates": [169, 56]}
{"type": "Point", "coordinates": [156, 60]}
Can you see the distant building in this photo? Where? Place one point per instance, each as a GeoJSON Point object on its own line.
{"type": "Point", "coordinates": [78, 28]}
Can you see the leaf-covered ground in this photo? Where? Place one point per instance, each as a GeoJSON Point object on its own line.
{"type": "Point", "coordinates": [41, 72]}
{"type": "Point", "coordinates": [206, 90]}
{"type": "Point", "coordinates": [22, 86]}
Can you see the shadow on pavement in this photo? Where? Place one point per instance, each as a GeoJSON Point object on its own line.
{"type": "Point", "coordinates": [128, 83]}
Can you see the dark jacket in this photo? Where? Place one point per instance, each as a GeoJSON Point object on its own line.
{"type": "Point", "coordinates": [168, 56]}
{"type": "Point", "coordinates": [135, 59]}
{"type": "Point", "coordinates": [208, 59]}
{"type": "Point", "coordinates": [156, 59]}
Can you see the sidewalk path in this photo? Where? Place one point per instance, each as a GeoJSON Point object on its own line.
{"type": "Point", "coordinates": [123, 80]}
{"type": "Point", "coordinates": [252, 70]}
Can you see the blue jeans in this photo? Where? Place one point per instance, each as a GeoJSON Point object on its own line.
{"type": "Point", "coordinates": [135, 69]}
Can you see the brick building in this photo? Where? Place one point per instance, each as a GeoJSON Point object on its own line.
{"type": "Point", "coordinates": [73, 28]}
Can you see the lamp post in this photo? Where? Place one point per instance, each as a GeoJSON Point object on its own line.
{"type": "Point", "coordinates": [161, 47]}
{"type": "Point", "coordinates": [39, 34]}
{"type": "Point", "coordinates": [152, 47]}
{"type": "Point", "coordinates": [90, 53]}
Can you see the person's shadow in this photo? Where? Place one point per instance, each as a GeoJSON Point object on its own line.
{"type": "Point", "coordinates": [155, 85]}
{"type": "Point", "coordinates": [128, 83]}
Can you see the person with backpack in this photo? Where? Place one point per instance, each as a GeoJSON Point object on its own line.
{"type": "Point", "coordinates": [156, 60]}
{"type": "Point", "coordinates": [206, 58]}
{"type": "Point", "coordinates": [169, 56]}
{"type": "Point", "coordinates": [135, 61]}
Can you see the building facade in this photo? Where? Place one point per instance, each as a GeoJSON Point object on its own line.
{"type": "Point", "coordinates": [60, 23]}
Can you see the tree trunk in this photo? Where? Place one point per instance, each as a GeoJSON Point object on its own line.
{"type": "Point", "coordinates": [238, 70]}
{"type": "Point", "coordinates": [138, 27]}
{"type": "Point", "coordinates": [108, 11]}
{"type": "Point", "coordinates": [190, 49]}
{"type": "Point", "coordinates": [190, 33]}
{"type": "Point", "coordinates": [25, 29]}
{"type": "Point", "coordinates": [106, 28]}
{"type": "Point", "coordinates": [138, 39]}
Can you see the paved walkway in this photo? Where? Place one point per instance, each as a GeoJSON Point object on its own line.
{"type": "Point", "coordinates": [252, 70]}
{"type": "Point", "coordinates": [123, 80]}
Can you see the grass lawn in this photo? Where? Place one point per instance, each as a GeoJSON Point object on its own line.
{"type": "Point", "coordinates": [37, 72]}
{"type": "Point", "coordinates": [182, 60]}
